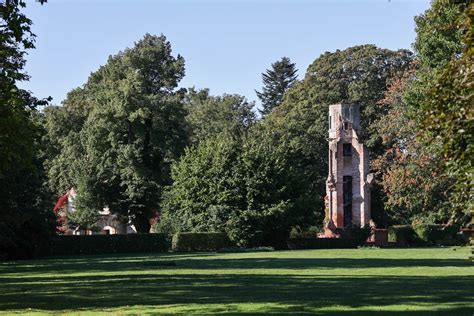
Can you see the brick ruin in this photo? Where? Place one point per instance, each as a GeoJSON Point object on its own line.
{"type": "Point", "coordinates": [347, 199]}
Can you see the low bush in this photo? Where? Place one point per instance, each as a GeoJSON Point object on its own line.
{"type": "Point", "coordinates": [98, 244]}
{"type": "Point", "coordinates": [357, 233]}
{"type": "Point", "coordinates": [321, 243]}
{"type": "Point", "coordinates": [429, 233]}
{"type": "Point", "coordinates": [433, 234]}
{"type": "Point", "coordinates": [310, 232]}
{"type": "Point", "coordinates": [200, 241]}
{"type": "Point", "coordinates": [403, 235]}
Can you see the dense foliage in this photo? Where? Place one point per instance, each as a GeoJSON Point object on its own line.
{"type": "Point", "coordinates": [428, 125]}
{"type": "Point", "coordinates": [403, 235]}
{"type": "Point", "coordinates": [408, 164]}
{"type": "Point", "coordinates": [431, 234]}
{"type": "Point", "coordinates": [359, 74]}
{"type": "Point", "coordinates": [98, 244]}
{"type": "Point", "coordinates": [24, 222]}
{"type": "Point", "coordinates": [127, 125]}
{"type": "Point", "coordinates": [131, 140]}
{"type": "Point", "coordinates": [208, 116]}
{"type": "Point", "coordinates": [245, 187]}
{"type": "Point", "coordinates": [450, 119]}
{"type": "Point", "coordinates": [276, 81]}
{"type": "Point", "coordinates": [86, 205]}
{"type": "Point", "coordinates": [200, 241]}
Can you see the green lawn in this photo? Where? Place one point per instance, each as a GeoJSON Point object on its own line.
{"type": "Point", "coordinates": [327, 282]}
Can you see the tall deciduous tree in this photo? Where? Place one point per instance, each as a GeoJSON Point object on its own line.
{"type": "Point", "coordinates": [128, 124]}
{"type": "Point", "coordinates": [409, 170]}
{"type": "Point", "coordinates": [450, 111]}
{"type": "Point", "coordinates": [276, 81]}
{"type": "Point", "coordinates": [439, 33]}
{"type": "Point", "coordinates": [24, 222]}
{"type": "Point", "coordinates": [427, 116]}
{"type": "Point", "coordinates": [64, 149]}
{"type": "Point", "coordinates": [245, 187]}
{"type": "Point", "coordinates": [209, 116]}
{"type": "Point", "coordinates": [16, 130]}
{"type": "Point", "coordinates": [86, 206]}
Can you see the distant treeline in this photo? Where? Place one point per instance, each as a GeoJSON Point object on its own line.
{"type": "Point", "coordinates": [131, 140]}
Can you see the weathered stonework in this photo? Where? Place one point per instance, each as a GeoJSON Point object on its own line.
{"type": "Point", "coordinates": [348, 183]}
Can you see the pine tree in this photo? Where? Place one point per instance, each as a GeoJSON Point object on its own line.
{"type": "Point", "coordinates": [275, 82]}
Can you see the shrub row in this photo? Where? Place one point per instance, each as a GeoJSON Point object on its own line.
{"type": "Point", "coordinates": [403, 235]}
{"type": "Point", "coordinates": [97, 244]}
{"type": "Point", "coordinates": [440, 235]}
{"type": "Point", "coordinates": [426, 234]}
{"type": "Point", "coordinates": [321, 243]}
{"type": "Point", "coordinates": [200, 241]}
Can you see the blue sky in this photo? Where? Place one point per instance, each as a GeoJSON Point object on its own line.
{"type": "Point", "coordinates": [227, 44]}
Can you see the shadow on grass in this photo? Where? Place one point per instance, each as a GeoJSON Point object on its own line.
{"type": "Point", "coordinates": [137, 263]}
{"type": "Point", "coordinates": [57, 290]}
{"type": "Point", "coordinates": [84, 292]}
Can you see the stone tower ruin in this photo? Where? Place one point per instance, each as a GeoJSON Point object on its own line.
{"type": "Point", "coordinates": [348, 184]}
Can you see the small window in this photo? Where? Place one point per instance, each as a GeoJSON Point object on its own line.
{"type": "Point", "coordinates": [330, 122]}
{"type": "Point", "coordinates": [346, 150]}
{"type": "Point", "coordinates": [346, 126]}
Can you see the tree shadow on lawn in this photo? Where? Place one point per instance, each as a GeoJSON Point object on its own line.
{"type": "Point", "coordinates": [318, 263]}
{"type": "Point", "coordinates": [108, 264]}
{"type": "Point", "coordinates": [300, 292]}
{"type": "Point", "coordinates": [48, 285]}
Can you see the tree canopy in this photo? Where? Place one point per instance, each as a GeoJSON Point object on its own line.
{"type": "Point", "coordinates": [208, 116]}
{"type": "Point", "coordinates": [245, 187]}
{"type": "Point", "coordinates": [24, 221]}
{"type": "Point", "coordinates": [427, 116]}
{"type": "Point", "coordinates": [130, 139]}
{"type": "Point", "coordinates": [128, 125]}
{"type": "Point", "coordinates": [257, 185]}
{"type": "Point", "coordinates": [276, 81]}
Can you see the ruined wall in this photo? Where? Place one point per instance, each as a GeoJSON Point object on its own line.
{"type": "Point", "coordinates": [348, 170]}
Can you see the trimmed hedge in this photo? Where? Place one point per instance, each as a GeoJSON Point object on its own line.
{"type": "Point", "coordinates": [432, 234]}
{"type": "Point", "coordinates": [426, 234]}
{"type": "Point", "coordinates": [359, 234]}
{"type": "Point", "coordinates": [403, 235]}
{"type": "Point", "coordinates": [200, 241]}
{"type": "Point", "coordinates": [98, 244]}
{"type": "Point", "coordinates": [321, 243]}
{"type": "Point", "coordinates": [429, 233]}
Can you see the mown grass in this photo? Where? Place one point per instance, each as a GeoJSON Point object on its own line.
{"type": "Point", "coordinates": [326, 282]}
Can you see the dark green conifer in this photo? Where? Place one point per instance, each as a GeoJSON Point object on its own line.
{"type": "Point", "coordinates": [275, 82]}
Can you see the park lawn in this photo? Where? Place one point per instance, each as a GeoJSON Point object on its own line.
{"type": "Point", "coordinates": [366, 281]}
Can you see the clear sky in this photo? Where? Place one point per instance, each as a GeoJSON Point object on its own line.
{"type": "Point", "coordinates": [227, 44]}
